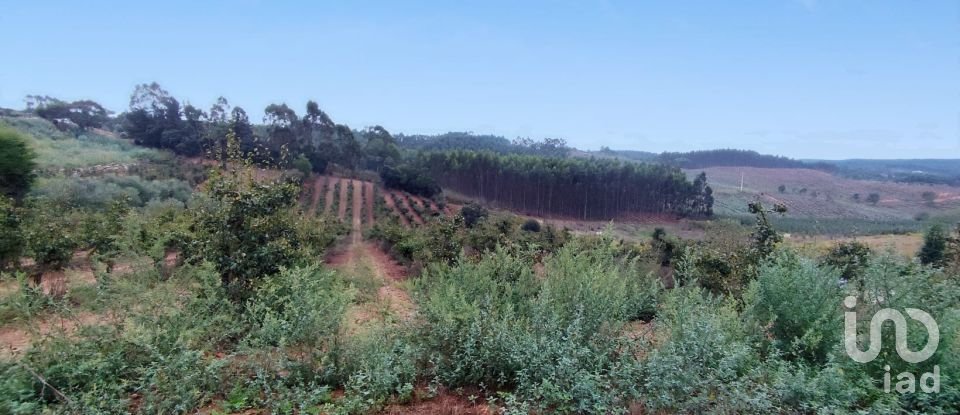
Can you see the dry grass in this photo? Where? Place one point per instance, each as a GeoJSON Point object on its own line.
{"type": "Point", "coordinates": [906, 245]}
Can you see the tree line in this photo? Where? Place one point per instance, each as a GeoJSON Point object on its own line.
{"type": "Point", "coordinates": [581, 188]}
{"type": "Point", "coordinates": [731, 157]}
{"type": "Point", "coordinates": [550, 147]}
{"type": "Point", "coordinates": [308, 142]}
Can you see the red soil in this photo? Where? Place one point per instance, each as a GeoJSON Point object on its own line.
{"type": "Point", "coordinates": [368, 201]}
{"type": "Point", "coordinates": [391, 204]}
{"type": "Point", "coordinates": [342, 202]}
{"type": "Point", "coordinates": [328, 197]}
{"type": "Point", "coordinates": [357, 207]}
{"type": "Point", "coordinates": [445, 403]}
{"type": "Point", "coordinates": [402, 201]}
{"type": "Point", "coordinates": [317, 189]}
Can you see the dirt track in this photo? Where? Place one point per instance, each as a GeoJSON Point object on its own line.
{"type": "Point", "coordinates": [342, 202]}
{"type": "Point", "coordinates": [357, 210]}
{"type": "Point", "coordinates": [328, 197]}
{"type": "Point", "coordinates": [317, 189]}
{"type": "Point", "coordinates": [368, 200]}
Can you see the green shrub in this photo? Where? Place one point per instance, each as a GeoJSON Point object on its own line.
{"type": "Point", "coordinates": [554, 341]}
{"type": "Point", "coordinates": [11, 234]}
{"type": "Point", "coordinates": [708, 363]}
{"type": "Point", "coordinates": [298, 306]}
{"type": "Point", "coordinates": [802, 326]}
{"type": "Point", "coordinates": [100, 192]}
{"type": "Point", "coordinates": [377, 366]}
{"type": "Point", "coordinates": [16, 164]}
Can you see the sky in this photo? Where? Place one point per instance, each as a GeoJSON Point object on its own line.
{"type": "Point", "coordinates": [823, 79]}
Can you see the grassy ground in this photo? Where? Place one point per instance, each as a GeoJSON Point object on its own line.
{"type": "Point", "coordinates": [58, 150]}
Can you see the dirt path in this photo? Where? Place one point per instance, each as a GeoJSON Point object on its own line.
{"type": "Point", "coordinates": [392, 205]}
{"type": "Point", "coordinates": [357, 233]}
{"type": "Point", "coordinates": [381, 298]}
{"type": "Point", "coordinates": [328, 197]}
{"type": "Point", "coordinates": [368, 201]}
{"type": "Point", "coordinates": [317, 189]}
{"type": "Point", "coordinates": [342, 202]}
{"type": "Point", "coordinates": [403, 202]}
{"type": "Point", "coordinates": [14, 339]}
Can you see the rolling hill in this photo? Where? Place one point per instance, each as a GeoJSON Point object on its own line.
{"type": "Point", "coordinates": [816, 194]}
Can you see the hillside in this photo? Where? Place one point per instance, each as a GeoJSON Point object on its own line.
{"type": "Point", "coordinates": [819, 195]}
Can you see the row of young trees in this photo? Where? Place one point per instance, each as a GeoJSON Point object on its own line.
{"type": "Point", "coordinates": [581, 188]}
{"type": "Point", "coordinates": [311, 141]}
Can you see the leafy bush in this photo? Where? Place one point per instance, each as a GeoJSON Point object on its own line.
{"type": "Point", "coordinates": [934, 246]}
{"type": "Point", "coordinates": [16, 164]}
{"type": "Point", "coordinates": [247, 228]}
{"type": "Point", "coordinates": [57, 151]}
{"type": "Point", "coordinates": [707, 364]}
{"type": "Point", "coordinates": [11, 234]}
{"type": "Point", "coordinates": [554, 341]}
{"type": "Point", "coordinates": [531, 225]}
{"type": "Point", "coordinates": [473, 213]}
{"type": "Point", "coordinates": [802, 326]}
{"type": "Point", "coordinates": [298, 306]}
{"type": "Point", "coordinates": [100, 192]}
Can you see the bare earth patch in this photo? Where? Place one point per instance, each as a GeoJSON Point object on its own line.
{"type": "Point", "coordinates": [16, 339]}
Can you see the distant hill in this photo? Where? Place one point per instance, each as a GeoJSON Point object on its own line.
{"type": "Point", "coordinates": [813, 194]}
{"type": "Point", "coordinates": [732, 157]}
{"type": "Point", "coordinates": [929, 171]}
{"type": "Point", "coordinates": [483, 142]}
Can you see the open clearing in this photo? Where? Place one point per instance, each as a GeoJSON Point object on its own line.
{"type": "Point", "coordinates": [816, 194]}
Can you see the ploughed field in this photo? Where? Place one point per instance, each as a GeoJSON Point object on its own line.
{"type": "Point", "coordinates": [356, 201]}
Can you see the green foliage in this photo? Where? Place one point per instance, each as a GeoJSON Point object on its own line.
{"type": "Point", "coordinates": [16, 164]}
{"type": "Point", "coordinates": [378, 366]}
{"type": "Point", "coordinates": [11, 233]}
{"type": "Point", "coordinates": [850, 258]}
{"type": "Point", "coordinates": [101, 192]}
{"type": "Point", "coordinates": [802, 326]}
{"type": "Point", "coordinates": [473, 213]}
{"type": "Point", "coordinates": [553, 340]}
{"type": "Point", "coordinates": [410, 179]}
{"type": "Point", "coordinates": [581, 188]}
{"type": "Point", "coordinates": [297, 306]}
{"type": "Point", "coordinates": [302, 164]}
{"type": "Point", "coordinates": [531, 225]}
{"type": "Point", "coordinates": [765, 237]}
{"type": "Point", "coordinates": [56, 151]}
{"type": "Point", "coordinates": [934, 246]}
{"type": "Point", "coordinates": [707, 364]}
{"type": "Point", "coordinates": [50, 235]}
{"type": "Point", "coordinates": [84, 114]}
{"type": "Point", "coordinates": [247, 229]}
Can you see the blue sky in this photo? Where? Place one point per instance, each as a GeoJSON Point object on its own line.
{"type": "Point", "coordinates": [809, 79]}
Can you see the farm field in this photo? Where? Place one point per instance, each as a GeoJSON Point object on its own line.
{"type": "Point", "coordinates": [904, 245]}
{"type": "Point", "coordinates": [813, 194]}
